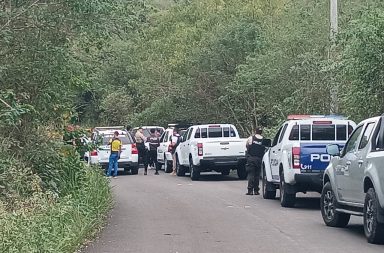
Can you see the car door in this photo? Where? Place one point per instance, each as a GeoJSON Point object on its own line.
{"type": "Point", "coordinates": [163, 147]}
{"type": "Point", "coordinates": [184, 147]}
{"type": "Point", "coordinates": [275, 152]}
{"type": "Point", "coordinates": [354, 182]}
{"type": "Point", "coordinates": [342, 173]}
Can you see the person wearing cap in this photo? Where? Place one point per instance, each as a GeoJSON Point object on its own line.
{"type": "Point", "coordinates": [140, 144]}
{"type": "Point", "coordinates": [255, 153]}
{"type": "Point", "coordinates": [114, 157]}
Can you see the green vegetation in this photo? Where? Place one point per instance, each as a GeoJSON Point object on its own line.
{"type": "Point", "coordinates": [247, 62]}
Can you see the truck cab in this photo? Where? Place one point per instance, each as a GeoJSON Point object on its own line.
{"type": "Point", "coordinates": [354, 180]}
{"type": "Point", "coordinates": [298, 157]}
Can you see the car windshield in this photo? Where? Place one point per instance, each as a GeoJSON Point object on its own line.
{"type": "Point", "coordinates": [124, 139]}
{"type": "Point", "coordinates": [147, 131]}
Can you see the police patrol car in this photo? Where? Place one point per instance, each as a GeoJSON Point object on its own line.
{"type": "Point", "coordinates": [298, 157]}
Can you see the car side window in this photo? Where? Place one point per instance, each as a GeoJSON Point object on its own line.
{"type": "Point", "coordinates": [197, 134]}
{"type": "Point", "coordinates": [189, 133]}
{"type": "Point", "coordinates": [366, 135]}
{"type": "Point", "coordinates": [274, 143]}
{"type": "Point", "coordinates": [283, 132]}
{"type": "Point", "coordinates": [164, 137]}
{"type": "Point", "coordinates": [352, 142]}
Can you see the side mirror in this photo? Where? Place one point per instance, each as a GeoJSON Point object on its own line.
{"type": "Point", "coordinates": [267, 143]}
{"type": "Point", "coordinates": [333, 150]}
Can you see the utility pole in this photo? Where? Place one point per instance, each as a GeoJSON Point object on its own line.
{"type": "Point", "coordinates": [334, 108]}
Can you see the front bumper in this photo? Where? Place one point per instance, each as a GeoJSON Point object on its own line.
{"type": "Point", "coordinates": [309, 182]}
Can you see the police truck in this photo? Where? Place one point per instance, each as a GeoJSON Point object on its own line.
{"type": "Point", "coordinates": [298, 155]}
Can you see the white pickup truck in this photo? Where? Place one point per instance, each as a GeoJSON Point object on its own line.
{"type": "Point", "coordinates": [206, 148]}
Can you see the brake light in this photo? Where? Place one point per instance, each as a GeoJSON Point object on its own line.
{"type": "Point", "coordinates": [169, 148]}
{"type": "Point", "coordinates": [94, 153]}
{"type": "Point", "coordinates": [296, 157]}
{"type": "Point", "coordinates": [323, 122]}
{"type": "Point", "coordinates": [134, 150]}
{"type": "Point", "coordinates": [200, 149]}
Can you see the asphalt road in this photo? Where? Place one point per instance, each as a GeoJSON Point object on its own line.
{"type": "Point", "coordinates": [169, 214]}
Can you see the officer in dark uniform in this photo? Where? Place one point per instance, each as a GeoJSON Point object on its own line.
{"type": "Point", "coordinates": [255, 153]}
{"type": "Point", "coordinates": [154, 143]}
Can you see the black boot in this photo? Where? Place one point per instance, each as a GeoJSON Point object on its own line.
{"type": "Point", "coordinates": [250, 192]}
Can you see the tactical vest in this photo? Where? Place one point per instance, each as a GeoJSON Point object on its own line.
{"type": "Point", "coordinates": [154, 142]}
{"type": "Point", "coordinates": [257, 148]}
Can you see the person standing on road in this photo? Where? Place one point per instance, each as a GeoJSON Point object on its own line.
{"type": "Point", "coordinates": [114, 157]}
{"type": "Point", "coordinates": [255, 153]}
{"type": "Point", "coordinates": [140, 144]}
{"type": "Point", "coordinates": [154, 143]}
{"type": "Point", "coordinates": [174, 143]}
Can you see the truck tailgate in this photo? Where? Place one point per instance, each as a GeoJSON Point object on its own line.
{"type": "Point", "coordinates": [223, 147]}
{"type": "Point", "coordinates": [314, 157]}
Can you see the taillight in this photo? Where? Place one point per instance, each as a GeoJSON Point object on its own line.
{"type": "Point", "coordinates": [94, 153]}
{"type": "Point", "coordinates": [296, 157]}
{"type": "Point", "coordinates": [169, 148]}
{"type": "Point", "coordinates": [134, 150]}
{"type": "Point", "coordinates": [200, 149]}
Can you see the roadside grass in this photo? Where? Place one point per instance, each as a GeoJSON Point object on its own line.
{"type": "Point", "coordinates": [58, 225]}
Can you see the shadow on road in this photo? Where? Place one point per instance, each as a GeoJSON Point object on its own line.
{"type": "Point", "coordinates": [309, 203]}
{"type": "Point", "coordinates": [217, 177]}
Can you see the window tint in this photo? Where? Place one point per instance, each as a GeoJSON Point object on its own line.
{"type": "Point", "coordinates": [367, 133]}
{"type": "Point", "coordinates": [204, 133]}
{"type": "Point", "coordinates": [163, 136]}
{"type": "Point", "coordinates": [233, 134]}
{"type": "Point", "coordinates": [215, 132]}
{"type": "Point", "coordinates": [124, 139]}
{"type": "Point", "coordinates": [305, 132]}
{"type": "Point", "coordinates": [294, 135]}
{"type": "Point", "coordinates": [352, 142]}
{"type": "Point", "coordinates": [189, 133]}
{"type": "Point", "coordinates": [323, 132]}
{"type": "Point", "coordinates": [276, 137]}
{"type": "Point", "coordinates": [283, 132]}
{"type": "Point", "coordinates": [197, 134]}
{"type": "Point", "coordinates": [226, 131]}
{"type": "Point", "coordinates": [341, 132]}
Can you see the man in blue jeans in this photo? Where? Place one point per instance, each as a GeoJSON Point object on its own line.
{"type": "Point", "coordinates": [115, 154]}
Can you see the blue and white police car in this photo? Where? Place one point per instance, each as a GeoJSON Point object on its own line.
{"type": "Point", "coordinates": [297, 158]}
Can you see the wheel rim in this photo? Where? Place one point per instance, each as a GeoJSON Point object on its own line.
{"type": "Point", "coordinates": [369, 216]}
{"type": "Point", "coordinates": [328, 205]}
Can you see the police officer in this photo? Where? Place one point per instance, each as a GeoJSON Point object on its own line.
{"type": "Point", "coordinates": [255, 153]}
{"type": "Point", "coordinates": [154, 143]}
{"type": "Point", "coordinates": [140, 144]}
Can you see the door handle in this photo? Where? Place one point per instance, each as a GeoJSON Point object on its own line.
{"type": "Point", "coordinates": [348, 163]}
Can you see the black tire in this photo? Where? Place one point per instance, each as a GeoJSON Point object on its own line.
{"type": "Point", "coordinates": [194, 170]}
{"type": "Point", "coordinates": [168, 166]}
{"type": "Point", "coordinates": [225, 172]}
{"type": "Point", "coordinates": [267, 186]}
{"type": "Point", "coordinates": [134, 170]}
{"type": "Point", "coordinates": [242, 172]}
{"type": "Point", "coordinates": [126, 170]}
{"type": "Point", "coordinates": [180, 170]}
{"type": "Point", "coordinates": [286, 199]}
{"type": "Point", "coordinates": [328, 204]}
{"type": "Point", "coordinates": [373, 229]}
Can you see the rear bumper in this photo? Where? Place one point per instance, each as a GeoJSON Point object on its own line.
{"type": "Point", "coordinates": [309, 182]}
{"type": "Point", "coordinates": [222, 162]}
{"type": "Point", "coordinates": [121, 164]}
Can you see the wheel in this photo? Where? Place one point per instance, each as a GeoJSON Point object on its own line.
{"type": "Point", "coordinates": [241, 172]}
{"type": "Point", "coordinates": [126, 170]}
{"type": "Point", "coordinates": [328, 209]}
{"type": "Point", "coordinates": [373, 229]}
{"type": "Point", "coordinates": [269, 189]}
{"type": "Point", "coordinates": [286, 199]}
{"type": "Point", "coordinates": [134, 170]}
{"type": "Point", "coordinates": [180, 170]}
{"type": "Point", "coordinates": [168, 165]}
{"type": "Point", "coordinates": [195, 171]}
{"type": "Point", "coordinates": [225, 172]}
